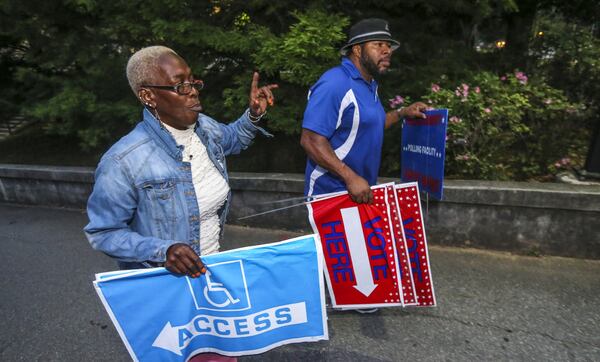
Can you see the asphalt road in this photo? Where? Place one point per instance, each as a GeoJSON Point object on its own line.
{"type": "Point", "coordinates": [491, 306]}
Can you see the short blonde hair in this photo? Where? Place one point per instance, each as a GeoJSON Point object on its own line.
{"type": "Point", "coordinates": [143, 64]}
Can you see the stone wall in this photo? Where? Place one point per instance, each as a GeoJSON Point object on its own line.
{"type": "Point", "coordinates": [534, 218]}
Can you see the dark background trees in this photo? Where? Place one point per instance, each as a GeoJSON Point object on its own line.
{"type": "Point", "coordinates": [62, 62]}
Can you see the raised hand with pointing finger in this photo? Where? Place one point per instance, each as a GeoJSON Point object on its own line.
{"type": "Point", "coordinates": [260, 98]}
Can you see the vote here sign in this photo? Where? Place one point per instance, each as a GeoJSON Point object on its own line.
{"type": "Point", "coordinates": [249, 301]}
{"type": "Point", "coordinates": [409, 201]}
{"type": "Point", "coordinates": [405, 269]}
{"type": "Point", "coordinates": [359, 252]}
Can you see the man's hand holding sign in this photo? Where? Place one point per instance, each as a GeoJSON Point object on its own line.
{"type": "Point", "coordinates": [414, 110]}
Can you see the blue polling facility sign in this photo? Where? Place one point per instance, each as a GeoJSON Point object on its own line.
{"type": "Point", "coordinates": [424, 150]}
{"type": "Point", "coordinates": [249, 301]}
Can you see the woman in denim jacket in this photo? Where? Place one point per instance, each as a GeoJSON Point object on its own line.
{"type": "Point", "coordinates": [161, 194]}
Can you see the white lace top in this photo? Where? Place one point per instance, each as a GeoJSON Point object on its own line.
{"type": "Point", "coordinates": [210, 187]}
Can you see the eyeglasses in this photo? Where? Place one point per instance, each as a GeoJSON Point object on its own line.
{"type": "Point", "coordinates": [183, 88]}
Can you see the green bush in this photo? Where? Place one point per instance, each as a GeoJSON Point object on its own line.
{"type": "Point", "coordinates": [508, 127]}
{"type": "Point", "coordinates": [294, 59]}
{"type": "Point", "coordinates": [62, 62]}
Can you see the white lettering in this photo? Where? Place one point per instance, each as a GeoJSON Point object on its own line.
{"type": "Point", "coordinates": [424, 150]}
{"type": "Point", "coordinates": [231, 327]}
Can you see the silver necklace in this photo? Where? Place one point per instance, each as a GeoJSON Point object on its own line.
{"type": "Point", "coordinates": [187, 146]}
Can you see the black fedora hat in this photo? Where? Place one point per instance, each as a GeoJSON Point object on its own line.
{"type": "Point", "coordinates": [368, 30]}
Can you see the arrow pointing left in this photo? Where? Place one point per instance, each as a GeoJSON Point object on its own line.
{"type": "Point", "coordinates": [168, 339]}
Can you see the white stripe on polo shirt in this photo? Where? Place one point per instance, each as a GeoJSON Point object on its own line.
{"type": "Point", "coordinates": [342, 151]}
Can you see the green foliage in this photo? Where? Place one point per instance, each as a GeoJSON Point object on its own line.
{"type": "Point", "coordinates": [508, 127]}
{"type": "Point", "coordinates": [568, 53]}
{"type": "Point", "coordinates": [72, 61]}
{"type": "Point", "coordinates": [306, 51]}
{"type": "Point", "coordinates": [294, 59]}
{"type": "Point", "coordinates": [62, 62]}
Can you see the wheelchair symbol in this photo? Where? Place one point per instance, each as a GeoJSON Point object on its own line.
{"type": "Point", "coordinates": [216, 293]}
{"type": "Point", "coordinates": [213, 287]}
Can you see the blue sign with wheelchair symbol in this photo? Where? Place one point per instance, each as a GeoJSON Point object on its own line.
{"type": "Point", "coordinates": [209, 292]}
{"type": "Point", "coordinates": [249, 301]}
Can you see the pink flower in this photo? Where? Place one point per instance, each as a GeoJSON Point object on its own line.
{"type": "Point", "coordinates": [477, 90]}
{"type": "Point", "coordinates": [487, 110]}
{"type": "Point", "coordinates": [503, 77]}
{"type": "Point", "coordinates": [521, 77]}
{"type": "Point", "coordinates": [462, 158]}
{"type": "Point", "coordinates": [435, 88]}
{"type": "Point", "coordinates": [465, 88]}
{"type": "Point", "coordinates": [463, 91]}
{"type": "Point", "coordinates": [563, 162]}
{"type": "Point", "coordinates": [455, 120]}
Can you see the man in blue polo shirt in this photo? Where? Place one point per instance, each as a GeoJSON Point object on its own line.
{"type": "Point", "coordinates": [344, 119]}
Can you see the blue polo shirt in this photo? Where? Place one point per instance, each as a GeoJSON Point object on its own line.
{"type": "Point", "coordinates": [345, 109]}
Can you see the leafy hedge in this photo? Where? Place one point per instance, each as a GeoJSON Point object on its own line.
{"type": "Point", "coordinates": [508, 127]}
{"type": "Point", "coordinates": [63, 61]}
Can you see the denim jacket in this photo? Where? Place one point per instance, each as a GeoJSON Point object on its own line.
{"type": "Point", "coordinates": [143, 199]}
